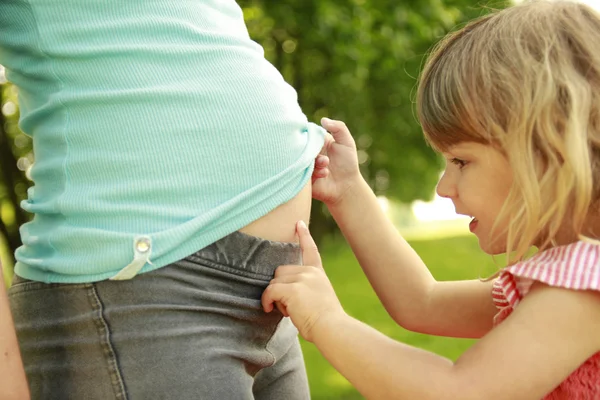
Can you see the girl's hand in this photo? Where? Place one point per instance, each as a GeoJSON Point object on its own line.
{"type": "Point", "coordinates": [303, 291]}
{"type": "Point", "coordinates": [336, 167]}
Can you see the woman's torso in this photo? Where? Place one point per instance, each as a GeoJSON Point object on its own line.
{"type": "Point", "coordinates": [280, 224]}
{"type": "Point", "coordinates": [157, 120]}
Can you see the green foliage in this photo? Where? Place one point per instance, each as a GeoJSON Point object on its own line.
{"type": "Point", "coordinates": [448, 259]}
{"type": "Point", "coordinates": [358, 60]}
{"type": "Point", "coordinates": [15, 158]}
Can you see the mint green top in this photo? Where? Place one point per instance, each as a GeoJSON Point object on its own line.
{"type": "Point", "coordinates": [158, 128]}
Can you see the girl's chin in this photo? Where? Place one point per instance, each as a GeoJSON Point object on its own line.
{"type": "Point", "coordinates": [493, 249]}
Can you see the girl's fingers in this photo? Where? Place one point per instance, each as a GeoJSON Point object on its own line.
{"type": "Point", "coordinates": [274, 293]}
{"type": "Point", "coordinates": [282, 309]}
{"type": "Point", "coordinates": [320, 173]}
{"type": "Point", "coordinates": [321, 161]}
{"type": "Point", "coordinates": [289, 278]}
{"type": "Point", "coordinates": [289, 270]}
{"type": "Point", "coordinates": [310, 251]}
{"type": "Point", "coordinates": [339, 131]}
{"type": "Point", "coordinates": [279, 286]}
{"type": "Point", "coordinates": [321, 169]}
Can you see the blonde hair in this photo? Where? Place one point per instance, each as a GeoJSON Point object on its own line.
{"type": "Point", "coordinates": [526, 80]}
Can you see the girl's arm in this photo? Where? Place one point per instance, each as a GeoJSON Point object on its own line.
{"type": "Point", "coordinates": [13, 384]}
{"type": "Point", "coordinates": [410, 294]}
{"type": "Point", "coordinates": [549, 335]}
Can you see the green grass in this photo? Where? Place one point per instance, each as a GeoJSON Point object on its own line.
{"type": "Point", "coordinates": [447, 258]}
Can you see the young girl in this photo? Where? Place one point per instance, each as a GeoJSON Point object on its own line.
{"type": "Point", "coordinates": [512, 103]}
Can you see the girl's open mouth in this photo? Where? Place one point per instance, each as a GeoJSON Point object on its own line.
{"type": "Point", "coordinates": [473, 224]}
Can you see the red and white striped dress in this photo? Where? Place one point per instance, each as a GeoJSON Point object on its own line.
{"type": "Point", "coordinates": [575, 266]}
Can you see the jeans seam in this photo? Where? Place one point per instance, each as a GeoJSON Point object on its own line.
{"type": "Point", "coordinates": [107, 346]}
{"type": "Point", "coordinates": [273, 358]}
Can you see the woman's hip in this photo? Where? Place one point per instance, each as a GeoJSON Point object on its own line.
{"type": "Point", "coordinates": [172, 328]}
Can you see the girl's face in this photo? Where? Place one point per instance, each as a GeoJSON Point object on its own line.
{"type": "Point", "coordinates": [478, 179]}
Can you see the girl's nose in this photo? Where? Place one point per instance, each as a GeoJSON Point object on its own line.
{"type": "Point", "coordinates": [446, 186]}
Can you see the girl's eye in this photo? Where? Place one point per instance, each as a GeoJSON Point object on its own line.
{"type": "Point", "coordinates": [460, 163]}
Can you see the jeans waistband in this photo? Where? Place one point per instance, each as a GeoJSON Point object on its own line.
{"type": "Point", "coordinates": [250, 254]}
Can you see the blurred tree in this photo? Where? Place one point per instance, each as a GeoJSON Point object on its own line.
{"type": "Point", "coordinates": [15, 158]}
{"type": "Point", "coordinates": [354, 60]}
{"type": "Point", "coordinates": [358, 61]}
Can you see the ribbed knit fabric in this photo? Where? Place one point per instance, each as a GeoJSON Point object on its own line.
{"type": "Point", "coordinates": [151, 120]}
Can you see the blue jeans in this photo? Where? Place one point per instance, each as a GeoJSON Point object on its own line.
{"type": "Point", "coordinates": [191, 330]}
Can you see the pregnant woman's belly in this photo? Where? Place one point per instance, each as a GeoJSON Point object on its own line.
{"type": "Point", "coordinates": [280, 224]}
